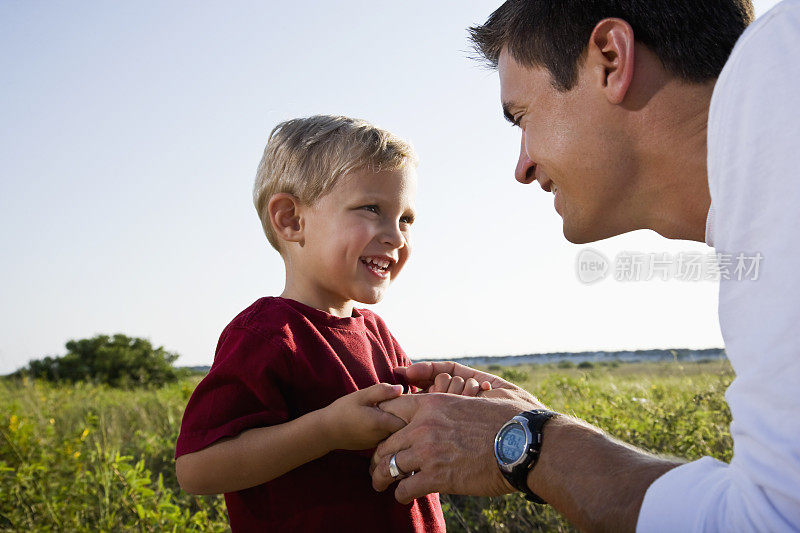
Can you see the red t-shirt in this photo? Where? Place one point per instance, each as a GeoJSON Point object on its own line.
{"type": "Point", "coordinates": [276, 361]}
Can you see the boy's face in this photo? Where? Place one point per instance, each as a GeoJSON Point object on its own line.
{"type": "Point", "coordinates": [356, 238]}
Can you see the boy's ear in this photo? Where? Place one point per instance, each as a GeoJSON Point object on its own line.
{"type": "Point", "coordinates": [284, 214]}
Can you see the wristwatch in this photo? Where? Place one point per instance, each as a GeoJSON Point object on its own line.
{"type": "Point", "coordinates": [517, 446]}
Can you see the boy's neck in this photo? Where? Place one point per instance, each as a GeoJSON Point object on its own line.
{"type": "Point", "coordinates": [340, 309]}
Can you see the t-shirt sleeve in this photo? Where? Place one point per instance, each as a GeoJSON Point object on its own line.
{"type": "Point", "coordinates": [244, 389]}
{"type": "Point", "coordinates": [402, 358]}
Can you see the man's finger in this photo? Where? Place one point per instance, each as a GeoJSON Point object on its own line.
{"type": "Point", "coordinates": [456, 385]}
{"type": "Point", "coordinates": [406, 460]}
{"type": "Point", "coordinates": [415, 486]}
{"type": "Point", "coordinates": [441, 383]}
{"type": "Point", "coordinates": [381, 480]}
{"type": "Point", "coordinates": [471, 387]}
{"type": "Point", "coordinates": [403, 407]}
{"type": "Point", "coordinates": [423, 374]}
{"type": "Point", "coordinates": [388, 422]}
{"type": "Point", "coordinates": [379, 463]}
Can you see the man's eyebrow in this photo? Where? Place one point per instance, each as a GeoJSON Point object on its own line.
{"type": "Point", "coordinates": [507, 113]}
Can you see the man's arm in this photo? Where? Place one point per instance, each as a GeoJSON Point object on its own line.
{"type": "Point", "coordinates": [259, 455]}
{"type": "Point", "coordinates": [597, 482]}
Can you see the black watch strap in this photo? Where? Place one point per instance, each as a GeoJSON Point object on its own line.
{"type": "Point", "coordinates": [537, 418]}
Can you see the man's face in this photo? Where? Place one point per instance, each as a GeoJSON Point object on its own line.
{"type": "Point", "coordinates": [572, 146]}
{"type": "Point", "coordinates": [356, 237]}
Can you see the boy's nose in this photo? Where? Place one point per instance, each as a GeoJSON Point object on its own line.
{"type": "Point", "coordinates": [392, 236]}
{"type": "Point", "coordinates": [524, 173]}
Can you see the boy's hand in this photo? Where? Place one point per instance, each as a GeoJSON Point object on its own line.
{"type": "Point", "coordinates": [444, 382]}
{"type": "Point", "coordinates": [354, 422]}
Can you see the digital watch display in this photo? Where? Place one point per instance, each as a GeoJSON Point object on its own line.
{"type": "Point", "coordinates": [512, 443]}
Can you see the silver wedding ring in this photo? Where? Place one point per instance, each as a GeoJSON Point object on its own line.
{"type": "Point", "coordinates": [394, 470]}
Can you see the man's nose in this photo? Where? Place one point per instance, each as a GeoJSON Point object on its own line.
{"type": "Point", "coordinates": [525, 167]}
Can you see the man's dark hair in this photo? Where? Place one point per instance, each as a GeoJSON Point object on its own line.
{"type": "Point", "coordinates": [692, 38]}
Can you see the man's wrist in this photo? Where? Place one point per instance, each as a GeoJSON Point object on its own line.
{"type": "Point", "coordinates": [562, 431]}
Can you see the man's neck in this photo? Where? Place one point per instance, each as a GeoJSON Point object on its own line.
{"type": "Point", "coordinates": [674, 195]}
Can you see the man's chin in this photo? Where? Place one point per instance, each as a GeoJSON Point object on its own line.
{"type": "Point", "coordinates": [583, 235]}
{"type": "Point", "coordinates": [576, 235]}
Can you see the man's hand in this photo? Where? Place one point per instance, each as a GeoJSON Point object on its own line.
{"type": "Point", "coordinates": [448, 443]}
{"type": "Point", "coordinates": [424, 375]}
{"type": "Point", "coordinates": [450, 377]}
{"type": "Point", "coordinates": [354, 422]}
{"type": "Point", "coordinates": [446, 383]}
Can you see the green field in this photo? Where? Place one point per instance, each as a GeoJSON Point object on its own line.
{"type": "Point", "coordinates": [90, 458]}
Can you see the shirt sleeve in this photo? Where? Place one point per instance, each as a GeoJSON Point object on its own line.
{"type": "Point", "coordinates": [244, 389]}
{"type": "Point", "coordinates": [754, 157]}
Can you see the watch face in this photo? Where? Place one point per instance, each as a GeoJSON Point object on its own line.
{"type": "Point", "coordinates": [511, 443]}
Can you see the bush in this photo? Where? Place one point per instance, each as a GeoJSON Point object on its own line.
{"type": "Point", "coordinates": [565, 364]}
{"type": "Point", "coordinates": [515, 376]}
{"type": "Point", "coordinates": [83, 458]}
{"type": "Point", "coordinates": [118, 361]}
{"type": "Point", "coordinates": [585, 364]}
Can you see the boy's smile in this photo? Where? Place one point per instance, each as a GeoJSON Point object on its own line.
{"type": "Point", "coordinates": [379, 265]}
{"type": "Point", "coordinates": [355, 241]}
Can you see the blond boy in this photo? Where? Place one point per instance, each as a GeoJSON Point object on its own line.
{"type": "Point", "coordinates": [293, 391]}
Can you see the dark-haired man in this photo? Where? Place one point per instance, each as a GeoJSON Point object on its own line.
{"type": "Point", "coordinates": [634, 115]}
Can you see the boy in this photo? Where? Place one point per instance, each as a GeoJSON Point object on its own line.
{"type": "Point", "coordinates": [293, 391]}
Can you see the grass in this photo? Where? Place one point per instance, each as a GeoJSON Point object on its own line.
{"type": "Point", "coordinates": [88, 458]}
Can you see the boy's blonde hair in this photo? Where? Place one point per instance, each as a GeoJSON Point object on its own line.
{"type": "Point", "coordinates": [305, 156]}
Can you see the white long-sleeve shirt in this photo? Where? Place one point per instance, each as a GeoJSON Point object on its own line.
{"type": "Point", "coordinates": [754, 178]}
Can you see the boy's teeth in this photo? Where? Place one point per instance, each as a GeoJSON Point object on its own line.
{"type": "Point", "coordinates": [382, 263]}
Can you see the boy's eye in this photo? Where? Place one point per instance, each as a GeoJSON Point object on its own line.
{"type": "Point", "coordinates": [407, 220]}
{"type": "Point", "coordinates": [371, 208]}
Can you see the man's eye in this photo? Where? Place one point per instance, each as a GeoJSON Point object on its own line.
{"type": "Point", "coordinates": [371, 208]}
{"type": "Point", "coordinates": [407, 220]}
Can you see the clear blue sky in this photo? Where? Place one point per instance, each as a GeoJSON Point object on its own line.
{"type": "Point", "coordinates": [129, 138]}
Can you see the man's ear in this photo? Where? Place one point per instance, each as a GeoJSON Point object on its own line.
{"type": "Point", "coordinates": [610, 57]}
{"type": "Point", "coordinates": [285, 216]}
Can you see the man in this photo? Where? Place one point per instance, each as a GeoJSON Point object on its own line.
{"type": "Point", "coordinates": [629, 118]}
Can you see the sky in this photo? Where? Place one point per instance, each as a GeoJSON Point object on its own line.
{"type": "Point", "coordinates": [129, 140]}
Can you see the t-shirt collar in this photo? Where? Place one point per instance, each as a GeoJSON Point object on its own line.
{"type": "Point", "coordinates": [322, 318]}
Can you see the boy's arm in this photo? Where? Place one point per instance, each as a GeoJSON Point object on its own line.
{"type": "Point", "coordinates": [258, 455]}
